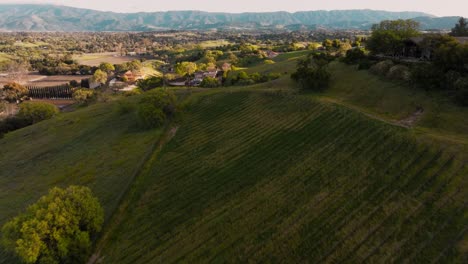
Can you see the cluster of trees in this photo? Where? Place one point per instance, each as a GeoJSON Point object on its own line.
{"type": "Point", "coordinates": [58, 228]}
{"type": "Point", "coordinates": [312, 72]}
{"type": "Point", "coordinates": [150, 83]}
{"type": "Point", "coordinates": [446, 70]}
{"type": "Point", "coordinates": [388, 37]}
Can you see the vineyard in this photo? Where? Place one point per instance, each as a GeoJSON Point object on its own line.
{"type": "Point", "coordinates": [266, 176]}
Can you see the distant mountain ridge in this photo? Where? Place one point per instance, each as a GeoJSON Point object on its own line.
{"type": "Point", "coordinates": [33, 17]}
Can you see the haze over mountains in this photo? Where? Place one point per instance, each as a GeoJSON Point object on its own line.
{"type": "Point", "coordinates": [30, 17]}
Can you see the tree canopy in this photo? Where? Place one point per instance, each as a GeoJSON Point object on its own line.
{"type": "Point", "coordinates": [461, 28]}
{"type": "Point", "coordinates": [56, 229]}
{"type": "Point", "coordinates": [388, 36]}
{"type": "Point", "coordinates": [100, 76]}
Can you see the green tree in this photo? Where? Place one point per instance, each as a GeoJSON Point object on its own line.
{"type": "Point", "coordinates": [312, 74]}
{"type": "Point", "coordinates": [37, 111]}
{"type": "Point", "coordinates": [186, 67]}
{"type": "Point", "coordinates": [388, 36]}
{"type": "Point", "coordinates": [100, 76]}
{"type": "Point", "coordinates": [106, 67]}
{"type": "Point", "coordinates": [56, 229]}
{"type": "Point", "coordinates": [150, 83]}
{"type": "Point", "coordinates": [13, 92]}
{"type": "Point", "coordinates": [460, 29]}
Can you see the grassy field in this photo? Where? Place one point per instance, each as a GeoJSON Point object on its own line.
{"type": "Point", "coordinates": [214, 43]}
{"type": "Point", "coordinates": [262, 176]}
{"type": "Point", "coordinates": [94, 59]}
{"type": "Point", "coordinates": [93, 146]}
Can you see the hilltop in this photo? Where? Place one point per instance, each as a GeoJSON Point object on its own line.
{"type": "Point", "coordinates": [29, 17]}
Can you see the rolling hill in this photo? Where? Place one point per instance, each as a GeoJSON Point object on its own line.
{"type": "Point", "coordinates": [261, 174]}
{"type": "Point", "coordinates": [30, 17]}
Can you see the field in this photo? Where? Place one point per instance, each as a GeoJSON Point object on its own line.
{"type": "Point", "coordinates": [92, 146]}
{"type": "Point", "coordinates": [94, 59]}
{"type": "Point", "coordinates": [265, 176]}
{"type": "Point", "coordinates": [35, 79]}
{"type": "Point", "coordinates": [262, 174]}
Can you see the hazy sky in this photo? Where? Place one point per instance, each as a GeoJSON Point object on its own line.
{"type": "Point", "coordinates": [435, 7]}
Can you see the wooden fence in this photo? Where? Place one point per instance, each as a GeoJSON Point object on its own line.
{"type": "Point", "coordinates": [52, 92]}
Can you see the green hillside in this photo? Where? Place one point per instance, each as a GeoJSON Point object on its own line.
{"type": "Point", "coordinates": [271, 176]}
{"type": "Point", "coordinates": [93, 146]}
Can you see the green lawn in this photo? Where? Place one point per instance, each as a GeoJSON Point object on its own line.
{"type": "Point", "coordinates": [93, 146]}
{"type": "Point", "coordinates": [267, 176]}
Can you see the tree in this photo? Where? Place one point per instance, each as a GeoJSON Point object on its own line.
{"type": "Point", "coordinates": [186, 67]}
{"type": "Point", "coordinates": [388, 36]}
{"type": "Point", "coordinates": [56, 229]}
{"type": "Point", "coordinates": [311, 73]}
{"type": "Point", "coordinates": [106, 67]}
{"type": "Point", "coordinates": [150, 83]}
{"type": "Point", "coordinates": [100, 76]}
{"type": "Point", "coordinates": [460, 29]}
{"type": "Point", "coordinates": [155, 107]}
{"type": "Point", "coordinates": [37, 111]}
{"type": "Point", "coordinates": [13, 92]}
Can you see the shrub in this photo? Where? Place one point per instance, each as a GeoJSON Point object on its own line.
{"type": "Point", "coordinates": [354, 56]}
{"type": "Point", "coordinates": [382, 67]}
{"type": "Point", "coordinates": [269, 62]}
{"type": "Point", "coordinates": [37, 111]}
{"type": "Point", "coordinates": [399, 72]}
{"type": "Point", "coordinates": [13, 123]}
{"type": "Point", "coordinates": [150, 83]}
{"type": "Point", "coordinates": [84, 96]}
{"type": "Point", "coordinates": [57, 229]}
{"type": "Point", "coordinates": [13, 92]}
{"type": "Point", "coordinates": [209, 82]}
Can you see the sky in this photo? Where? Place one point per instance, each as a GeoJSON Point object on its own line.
{"type": "Point", "coordinates": [434, 7]}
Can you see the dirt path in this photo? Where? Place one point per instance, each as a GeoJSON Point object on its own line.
{"type": "Point", "coordinates": [118, 216]}
{"type": "Point", "coordinates": [412, 119]}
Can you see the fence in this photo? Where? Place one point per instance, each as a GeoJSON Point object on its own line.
{"type": "Point", "coordinates": [52, 92]}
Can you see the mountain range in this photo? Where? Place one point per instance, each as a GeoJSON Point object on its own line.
{"type": "Point", "coordinates": [33, 17]}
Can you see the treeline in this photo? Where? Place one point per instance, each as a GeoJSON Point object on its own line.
{"type": "Point", "coordinates": [397, 50]}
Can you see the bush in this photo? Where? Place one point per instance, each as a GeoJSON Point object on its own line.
{"type": "Point", "coordinates": [269, 62]}
{"type": "Point", "coordinates": [37, 111]}
{"type": "Point", "coordinates": [13, 92]}
{"type": "Point", "coordinates": [354, 56]}
{"type": "Point", "coordinates": [382, 67]}
{"type": "Point", "coordinates": [13, 123]}
{"type": "Point", "coordinates": [57, 229]}
{"type": "Point", "coordinates": [399, 72]}
{"type": "Point", "coordinates": [84, 96]}
{"type": "Point", "coordinates": [209, 82]}
{"type": "Point", "coordinates": [150, 83]}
